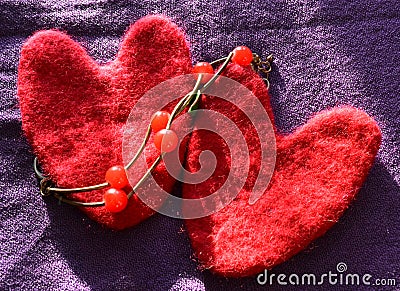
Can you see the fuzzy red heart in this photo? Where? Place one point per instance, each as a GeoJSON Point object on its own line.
{"type": "Point", "coordinates": [319, 169]}
{"type": "Point", "coordinates": [74, 110]}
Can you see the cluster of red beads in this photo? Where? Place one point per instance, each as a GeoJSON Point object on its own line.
{"type": "Point", "coordinates": [241, 55]}
{"type": "Point", "coordinates": [165, 140]}
{"type": "Point", "coordinates": [115, 199]}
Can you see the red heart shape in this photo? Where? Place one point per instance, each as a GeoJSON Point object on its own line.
{"type": "Point", "coordinates": [74, 111]}
{"type": "Point", "coordinates": [319, 169]}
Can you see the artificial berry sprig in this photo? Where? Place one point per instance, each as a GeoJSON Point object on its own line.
{"type": "Point", "coordinates": [115, 199]}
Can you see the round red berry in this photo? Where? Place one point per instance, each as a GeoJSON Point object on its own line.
{"type": "Point", "coordinates": [242, 55]}
{"type": "Point", "coordinates": [116, 177]}
{"type": "Point", "coordinates": [203, 68]}
{"type": "Point", "coordinates": [159, 120]}
{"type": "Point", "coordinates": [115, 200]}
{"type": "Point", "coordinates": [166, 140]}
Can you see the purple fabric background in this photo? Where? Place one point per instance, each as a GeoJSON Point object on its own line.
{"type": "Point", "coordinates": [327, 53]}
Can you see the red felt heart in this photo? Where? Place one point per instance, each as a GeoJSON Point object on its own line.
{"type": "Point", "coordinates": [73, 110]}
{"type": "Point", "coordinates": [319, 169]}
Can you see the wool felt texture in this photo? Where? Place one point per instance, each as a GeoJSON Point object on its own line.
{"type": "Point", "coordinates": [327, 53]}
{"type": "Point", "coordinates": [74, 111]}
{"type": "Point", "coordinates": [319, 169]}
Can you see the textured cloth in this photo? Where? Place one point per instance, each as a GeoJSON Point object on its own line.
{"type": "Point", "coordinates": [326, 53]}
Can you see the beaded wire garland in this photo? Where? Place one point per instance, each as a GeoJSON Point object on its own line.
{"type": "Point", "coordinates": [115, 199]}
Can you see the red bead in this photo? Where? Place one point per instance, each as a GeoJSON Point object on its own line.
{"type": "Point", "coordinates": [242, 55]}
{"type": "Point", "coordinates": [115, 200]}
{"type": "Point", "coordinates": [203, 68]}
{"type": "Point", "coordinates": [159, 120]}
{"type": "Point", "coordinates": [116, 177]}
{"type": "Point", "coordinates": [166, 140]}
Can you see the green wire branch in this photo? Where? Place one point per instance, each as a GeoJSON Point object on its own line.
{"type": "Point", "coordinates": [191, 99]}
